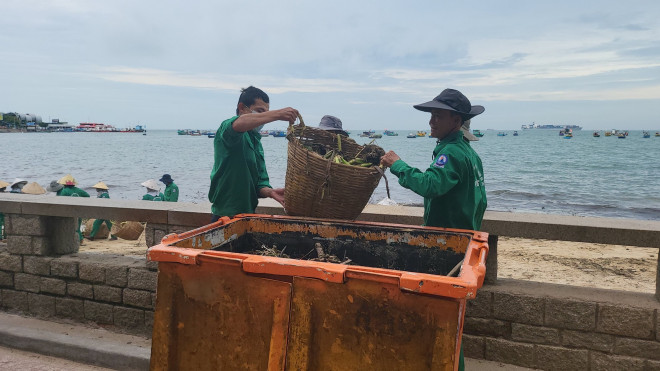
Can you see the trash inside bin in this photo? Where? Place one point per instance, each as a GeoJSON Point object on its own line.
{"type": "Point", "coordinates": [274, 292]}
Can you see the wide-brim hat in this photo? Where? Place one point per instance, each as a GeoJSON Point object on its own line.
{"type": "Point", "coordinates": [67, 180]}
{"type": "Point", "coordinates": [54, 186]}
{"type": "Point", "coordinates": [18, 181]}
{"type": "Point", "coordinates": [465, 128]}
{"type": "Point", "coordinates": [100, 185]}
{"type": "Point", "coordinates": [33, 189]}
{"type": "Point", "coordinates": [151, 184]}
{"type": "Point", "coordinates": [332, 124]}
{"type": "Point", "coordinates": [166, 178]}
{"type": "Point", "coordinates": [452, 100]}
{"type": "Point", "coordinates": [3, 184]}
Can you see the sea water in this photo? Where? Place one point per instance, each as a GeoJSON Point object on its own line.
{"type": "Point", "coordinates": [537, 171]}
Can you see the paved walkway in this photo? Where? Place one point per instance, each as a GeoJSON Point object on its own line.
{"type": "Point", "coordinates": [32, 344]}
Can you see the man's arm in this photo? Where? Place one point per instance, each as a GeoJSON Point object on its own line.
{"type": "Point", "coordinates": [249, 121]}
{"type": "Point", "coordinates": [276, 194]}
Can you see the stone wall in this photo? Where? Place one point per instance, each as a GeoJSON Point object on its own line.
{"type": "Point", "coordinates": [88, 287]}
{"type": "Point", "coordinates": [556, 327]}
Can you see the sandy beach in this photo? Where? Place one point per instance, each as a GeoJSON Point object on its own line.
{"type": "Point", "coordinates": [615, 267]}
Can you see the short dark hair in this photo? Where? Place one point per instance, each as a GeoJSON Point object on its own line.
{"type": "Point", "coordinates": [251, 94]}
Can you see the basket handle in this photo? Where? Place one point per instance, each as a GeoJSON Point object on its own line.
{"type": "Point", "coordinates": [302, 123]}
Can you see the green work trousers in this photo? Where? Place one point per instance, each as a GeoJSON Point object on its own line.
{"type": "Point", "coordinates": [97, 224]}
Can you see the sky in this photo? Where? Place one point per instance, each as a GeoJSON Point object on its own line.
{"type": "Point", "coordinates": [181, 65]}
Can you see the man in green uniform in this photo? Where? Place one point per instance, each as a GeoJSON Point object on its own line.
{"type": "Point", "coordinates": [171, 189]}
{"type": "Point", "coordinates": [70, 190]}
{"type": "Point", "coordinates": [101, 192]}
{"type": "Point", "coordinates": [153, 191]}
{"type": "Point", "coordinates": [453, 185]}
{"type": "Point", "coordinates": [239, 177]}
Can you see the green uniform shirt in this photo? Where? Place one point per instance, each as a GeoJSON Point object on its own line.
{"type": "Point", "coordinates": [103, 195]}
{"type": "Point", "coordinates": [453, 185]}
{"type": "Point", "coordinates": [239, 171]}
{"type": "Point", "coordinates": [73, 192]}
{"type": "Point", "coordinates": [158, 197]}
{"type": "Point", "coordinates": [171, 193]}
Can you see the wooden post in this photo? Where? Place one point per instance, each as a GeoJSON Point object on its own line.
{"type": "Point", "coordinates": [491, 262]}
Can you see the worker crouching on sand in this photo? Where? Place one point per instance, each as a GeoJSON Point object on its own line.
{"type": "Point", "coordinates": [153, 191]}
{"type": "Point", "coordinates": [171, 189]}
{"type": "Point", "coordinates": [70, 190]}
{"type": "Point", "coordinates": [101, 192]}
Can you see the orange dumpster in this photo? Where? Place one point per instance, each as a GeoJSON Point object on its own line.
{"type": "Point", "coordinates": [262, 292]}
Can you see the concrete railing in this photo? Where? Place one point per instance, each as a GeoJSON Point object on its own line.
{"type": "Point", "coordinates": [554, 327]}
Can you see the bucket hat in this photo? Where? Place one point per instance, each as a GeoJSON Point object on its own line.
{"type": "Point", "coordinates": [151, 184]}
{"type": "Point", "coordinates": [332, 123]}
{"type": "Point", "coordinates": [100, 185]}
{"type": "Point", "coordinates": [166, 178]}
{"type": "Point", "coordinates": [3, 184]}
{"type": "Point", "coordinates": [67, 180]}
{"type": "Point", "coordinates": [465, 128]}
{"type": "Point", "coordinates": [452, 100]}
{"type": "Point", "coordinates": [33, 189]}
{"type": "Point", "coordinates": [54, 186]}
{"type": "Point", "coordinates": [17, 182]}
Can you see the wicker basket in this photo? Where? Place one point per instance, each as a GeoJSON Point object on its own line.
{"type": "Point", "coordinates": [102, 232]}
{"type": "Point", "coordinates": [318, 187]}
{"type": "Point", "coordinates": [127, 230]}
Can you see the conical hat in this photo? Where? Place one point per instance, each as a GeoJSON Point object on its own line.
{"type": "Point", "coordinates": [67, 180]}
{"type": "Point", "coordinates": [100, 185]}
{"type": "Point", "coordinates": [151, 184]}
{"type": "Point", "coordinates": [33, 189]}
{"type": "Point", "coordinates": [3, 184]}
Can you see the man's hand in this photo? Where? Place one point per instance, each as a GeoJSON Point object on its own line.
{"type": "Point", "coordinates": [286, 114]}
{"type": "Point", "coordinates": [276, 194]}
{"type": "Point", "coordinates": [389, 158]}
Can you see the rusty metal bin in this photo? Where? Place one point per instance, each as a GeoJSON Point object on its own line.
{"type": "Point", "coordinates": [220, 306]}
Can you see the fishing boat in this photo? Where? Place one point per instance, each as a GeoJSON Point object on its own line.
{"type": "Point", "coordinates": [621, 135]}
{"type": "Point", "coordinates": [278, 133]}
{"type": "Point", "coordinates": [411, 135]}
{"type": "Point", "coordinates": [597, 134]}
{"type": "Point", "coordinates": [646, 134]}
{"type": "Point", "coordinates": [568, 135]}
{"type": "Point", "coordinates": [366, 134]}
{"type": "Point", "coordinates": [561, 133]}
{"type": "Point", "coordinates": [515, 133]}
{"type": "Point", "coordinates": [421, 133]}
{"type": "Point", "coordinates": [182, 132]}
{"type": "Point", "coordinates": [608, 133]}
{"type": "Point", "coordinates": [390, 133]}
{"type": "Point", "coordinates": [375, 136]}
{"type": "Point", "coordinates": [477, 133]}
{"type": "Point", "coordinates": [264, 133]}
{"type": "Point", "coordinates": [501, 134]}
{"type": "Point", "coordinates": [211, 135]}
{"type": "Point", "coordinates": [657, 133]}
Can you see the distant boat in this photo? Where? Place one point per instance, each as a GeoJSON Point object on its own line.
{"type": "Point", "coordinates": [568, 135]}
{"type": "Point", "coordinates": [608, 133]}
{"type": "Point", "coordinates": [411, 135]}
{"type": "Point", "coordinates": [421, 133]}
{"type": "Point", "coordinates": [375, 136]}
{"type": "Point", "coordinates": [477, 133]}
{"type": "Point", "coordinates": [264, 133]}
{"type": "Point", "coordinates": [515, 133]}
{"type": "Point", "coordinates": [657, 133]}
{"type": "Point", "coordinates": [621, 135]}
{"type": "Point", "coordinates": [561, 133]}
{"type": "Point", "coordinates": [501, 134]}
{"type": "Point", "coordinates": [390, 133]}
{"type": "Point", "coordinates": [596, 134]}
{"type": "Point", "coordinates": [279, 133]}
{"type": "Point", "coordinates": [211, 135]}
{"type": "Point", "coordinates": [366, 134]}
{"type": "Point", "coordinates": [646, 134]}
